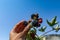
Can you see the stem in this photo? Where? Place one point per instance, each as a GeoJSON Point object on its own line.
{"type": "Point", "coordinates": [46, 32]}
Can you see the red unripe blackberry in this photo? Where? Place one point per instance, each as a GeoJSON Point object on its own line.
{"type": "Point", "coordinates": [40, 20]}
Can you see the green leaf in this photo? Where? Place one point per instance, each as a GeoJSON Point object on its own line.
{"type": "Point", "coordinates": [57, 28]}
{"type": "Point", "coordinates": [42, 29]}
{"type": "Point", "coordinates": [28, 37]}
{"type": "Point", "coordinates": [53, 22]}
{"type": "Point", "coordinates": [32, 31]}
{"type": "Point", "coordinates": [37, 38]}
{"type": "Point", "coordinates": [49, 23]}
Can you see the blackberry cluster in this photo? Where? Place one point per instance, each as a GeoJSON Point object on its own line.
{"type": "Point", "coordinates": [36, 20]}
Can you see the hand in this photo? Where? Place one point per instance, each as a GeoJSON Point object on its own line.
{"type": "Point", "coordinates": [19, 31]}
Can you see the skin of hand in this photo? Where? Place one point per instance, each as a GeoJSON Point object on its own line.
{"type": "Point", "coordinates": [19, 31]}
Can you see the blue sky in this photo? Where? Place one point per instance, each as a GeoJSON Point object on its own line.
{"type": "Point", "coordinates": [13, 11]}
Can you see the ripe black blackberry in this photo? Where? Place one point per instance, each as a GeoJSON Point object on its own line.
{"type": "Point", "coordinates": [34, 16]}
{"type": "Point", "coordinates": [35, 23]}
{"type": "Point", "coordinates": [25, 23]}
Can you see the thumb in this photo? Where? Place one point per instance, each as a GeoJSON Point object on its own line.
{"type": "Point", "coordinates": [27, 28]}
{"type": "Point", "coordinates": [25, 31]}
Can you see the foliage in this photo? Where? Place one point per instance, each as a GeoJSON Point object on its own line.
{"type": "Point", "coordinates": [36, 23]}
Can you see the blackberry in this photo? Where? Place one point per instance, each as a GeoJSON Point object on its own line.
{"type": "Point", "coordinates": [35, 23]}
{"type": "Point", "coordinates": [34, 16]}
{"type": "Point", "coordinates": [38, 25]}
{"type": "Point", "coordinates": [25, 23]}
{"type": "Point", "coordinates": [40, 20]}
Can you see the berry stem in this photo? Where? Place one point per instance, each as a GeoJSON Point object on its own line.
{"type": "Point", "coordinates": [47, 32]}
